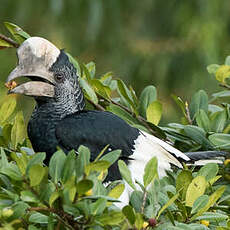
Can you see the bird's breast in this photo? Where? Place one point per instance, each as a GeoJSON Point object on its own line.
{"type": "Point", "coordinates": [41, 133]}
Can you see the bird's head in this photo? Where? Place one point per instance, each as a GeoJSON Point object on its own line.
{"type": "Point", "coordinates": [52, 76]}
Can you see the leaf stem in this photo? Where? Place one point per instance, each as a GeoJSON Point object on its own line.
{"type": "Point", "coordinates": [144, 202]}
{"type": "Point", "coordinates": [141, 119]}
{"type": "Point", "coordinates": [225, 86]}
{"type": "Point", "coordinates": [9, 40]}
{"type": "Point", "coordinates": [59, 214]}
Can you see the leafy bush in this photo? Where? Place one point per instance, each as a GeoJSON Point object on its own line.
{"type": "Point", "coordinates": [69, 193]}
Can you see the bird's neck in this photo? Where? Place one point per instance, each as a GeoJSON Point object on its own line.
{"type": "Point", "coordinates": [56, 110]}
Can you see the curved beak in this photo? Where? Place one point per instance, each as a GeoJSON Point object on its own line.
{"type": "Point", "coordinates": [35, 57]}
{"type": "Point", "coordinates": [32, 88]}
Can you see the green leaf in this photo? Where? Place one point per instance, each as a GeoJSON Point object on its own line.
{"type": "Point", "coordinates": [37, 158]}
{"type": "Point", "coordinates": [116, 191]}
{"type": "Point", "coordinates": [180, 103]}
{"type": "Point", "coordinates": [7, 109]}
{"type": "Point", "coordinates": [6, 133]}
{"type": "Point", "coordinates": [32, 227]}
{"type": "Point", "coordinates": [4, 161]}
{"type": "Point", "coordinates": [111, 218]}
{"type": "Point", "coordinates": [98, 166]}
{"type": "Point", "coordinates": [82, 160]}
{"type": "Point", "coordinates": [196, 189]}
{"type": "Point", "coordinates": [139, 221]}
{"type": "Point", "coordinates": [20, 209]}
{"type": "Point", "coordinates": [150, 171]}
{"type": "Point", "coordinates": [21, 162]}
{"type": "Point", "coordinates": [218, 121]}
{"type": "Point", "coordinates": [148, 95]}
{"type": "Point", "coordinates": [99, 206]}
{"type": "Point", "coordinates": [224, 93]}
{"type": "Point", "coordinates": [36, 174]}
{"type": "Point", "coordinates": [91, 68]}
{"type": "Point", "coordinates": [213, 216]}
{"type": "Point", "coordinates": [69, 166]}
{"type": "Point", "coordinates": [209, 171]}
{"type": "Point", "coordinates": [129, 212]}
{"type": "Point", "coordinates": [85, 73]}
{"type": "Point", "coordinates": [221, 140]}
{"type": "Point", "coordinates": [213, 68]}
{"type": "Point", "coordinates": [28, 196]}
{"type": "Point", "coordinates": [198, 135]}
{"type": "Point", "coordinates": [202, 120]}
{"type": "Point", "coordinates": [212, 200]}
{"type": "Point", "coordinates": [4, 44]}
{"type": "Point", "coordinates": [154, 112]}
{"type": "Point", "coordinates": [18, 132]}
{"type": "Point", "coordinates": [170, 202]}
{"type": "Point", "coordinates": [17, 32]}
{"type": "Point", "coordinates": [199, 203]}
{"type": "Point", "coordinates": [54, 196]}
{"type": "Point", "coordinates": [199, 101]}
{"type": "Point", "coordinates": [125, 173]}
{"type": "Point", "coordinates": [12, 171]}
{"type": "Point", "coordinates": [111, 156]}
{"type": "Point", "coordinates": [124, 91]}
{"type": "Point", "coordinates": [38, 218]}
{"type": "Point", "coordinates": [89, 91]}
{"type": "Point", "coordinates": [136, 200]}
{"type": "Point", "coordinates": [122, 113]}
{"type": "Point", "coordinates": [222, 73]}
{"type": "Point", "coordinates": [83, 186]}
{"type": "Point", "coordinates": [56, 164]}
{"type": "Point", "coordinates": [182, 182]}
{"type": "Point", "coordinates": [75, 63]}
{"type": "Point", "coordinates": [100, 88]}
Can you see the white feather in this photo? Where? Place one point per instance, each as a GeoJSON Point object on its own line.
{"type": "Point", "coordinates": [166, 146]}
{"type": "Point", "coordinates": [145, 148]}
{"type": "Point", "coordinates": [204, 162]}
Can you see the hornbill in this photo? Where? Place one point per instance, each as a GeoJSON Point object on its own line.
{"type": "Point", "coordinates": [59, 118]}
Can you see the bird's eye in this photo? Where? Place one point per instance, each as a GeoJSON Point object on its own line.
{"type": "Point", "coordinates": [58, 78]}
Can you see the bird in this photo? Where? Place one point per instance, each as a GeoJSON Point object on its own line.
{"type": "Point", "coordinates": [61, 120]}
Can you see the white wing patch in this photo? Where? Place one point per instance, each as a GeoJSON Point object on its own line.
{"type": "Point", "coordinates": [145, 148]}
{"type": "Point", "coordinates": [166, 146]}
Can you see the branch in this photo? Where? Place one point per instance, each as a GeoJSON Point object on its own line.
{"type": "Point", "coordinates": [139, 118]}
{"type": "Point", "coordinates": [188, 113]}
{"type": "Point", "coordinates": [59, 214]}
{"type": "Point", "coordinates": [9, 41]}
{"type": "Point", "coordinates": [97, 106]}
{"type": "Point", "coordinates": [225, 86]}
{"type": "Point", "coordinates": [144, 202]}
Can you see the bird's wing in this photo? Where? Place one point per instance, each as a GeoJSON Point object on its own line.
{"type": "Point", "coordinates": [96, 129]}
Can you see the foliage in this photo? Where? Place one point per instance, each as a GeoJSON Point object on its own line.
{"type": "Point", "coordinates": [69, 193]}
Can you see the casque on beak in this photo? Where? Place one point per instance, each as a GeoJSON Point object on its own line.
{"type": "Point", "coordinates": [35, 57]}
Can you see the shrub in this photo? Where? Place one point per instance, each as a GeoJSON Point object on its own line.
{"type": "Point", "coordinates": [69, 193]}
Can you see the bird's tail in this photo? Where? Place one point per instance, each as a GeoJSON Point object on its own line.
{"type": "Point", "coordinates": [204, 157]}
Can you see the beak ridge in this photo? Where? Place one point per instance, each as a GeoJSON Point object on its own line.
{"type": "Point", "coordinates": [19, 72]}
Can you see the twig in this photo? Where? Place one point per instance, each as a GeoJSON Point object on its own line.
{"type": "Point", "coordinates": [9, 40]}
{"type": "Point", "coordinates": [59, 214]}
{"type": "Point", "coordinates": [139, 118]}
{"type": "Point", "coordinates": [144, 201]}
{"type": "Point", "coordinates": [225, 86]}
{"type": "Point", "coordinates": [188, 113]}
{"type": "Point", "coordinates": [97, 106]}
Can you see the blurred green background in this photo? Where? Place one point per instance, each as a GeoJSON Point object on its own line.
{"type": "Point", "coordinates": [164, 43]}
